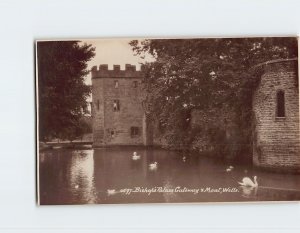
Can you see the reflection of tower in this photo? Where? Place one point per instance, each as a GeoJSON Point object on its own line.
{"type": "Point", "coordinates": [82, 175]}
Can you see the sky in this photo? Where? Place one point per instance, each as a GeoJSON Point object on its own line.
{"type": "Point", "coordinates": [113, 52]}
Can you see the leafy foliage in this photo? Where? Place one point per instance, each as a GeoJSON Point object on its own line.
{"type": "Point", "coordinates": [62, 93]}
{"type": "Point", "coordinates": [204, 74]}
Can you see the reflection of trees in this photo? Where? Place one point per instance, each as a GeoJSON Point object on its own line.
{"type": "Point", "coordinates": [54, 177]}
{"type": "Point", "coordinates": [82, 176]}
{"type": "Point", "coordinates": [42, 157]}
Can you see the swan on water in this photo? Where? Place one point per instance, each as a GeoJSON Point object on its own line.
{"type": "Point", "coordinates": [76, 186]}
{"type": "Point", "coordinates": [183, 158]}
{"type": "Point", "coordinates": [135, 156]}
{"type": "Point", "coordinates": [229, 169]}
{"type": "Point", "coordinates": [153, 166]}
{"type": "Point", "coordinates": [248, 182]}
{"type": "Point", "coordinates": [111, 192]}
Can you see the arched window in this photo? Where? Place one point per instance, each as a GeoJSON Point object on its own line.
{"type": "Point", "coordinates": [280, 104]}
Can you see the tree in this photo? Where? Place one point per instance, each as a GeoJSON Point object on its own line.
{"type": "Point", "coordinates": [62, 92]}
{"type": "Point", "coordinates": [204, 74]}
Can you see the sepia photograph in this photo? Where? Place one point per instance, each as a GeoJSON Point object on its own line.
{"type": "Point", "coordinates": [173, 120]}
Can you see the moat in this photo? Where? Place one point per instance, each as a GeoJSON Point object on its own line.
{"type": "Point", "coordinates": [110, 175]}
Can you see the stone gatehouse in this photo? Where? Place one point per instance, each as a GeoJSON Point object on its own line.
{"type": "Point", "coordinates": [118, 115]}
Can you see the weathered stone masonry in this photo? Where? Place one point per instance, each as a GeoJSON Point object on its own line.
{"type": "Point", "coordinates": [118, 116]}
{"type": "Point", "coordinates": [276, 134]}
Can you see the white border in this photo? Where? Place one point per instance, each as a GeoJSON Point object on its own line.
{"type": "Point", "coordinates": [22, 22]}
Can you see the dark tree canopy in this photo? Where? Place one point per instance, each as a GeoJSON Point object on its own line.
{"type": "Point", "coordinates": [62, 92]}
{"type": "Point", "coordinates": [202, 74]}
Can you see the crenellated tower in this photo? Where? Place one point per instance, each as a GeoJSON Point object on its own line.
{"type": "Point", "coordinates": [118, 115]}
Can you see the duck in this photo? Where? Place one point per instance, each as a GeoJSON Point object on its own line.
{"type": "Point", "coordinates": [247, 182]}
{"type": "Point", "coordinates": [135, 156]}
{"type": "Point", "coordinates": [229, 169]}
{"type": "Point", "coordinates": [153, 166]}
{"type": "Point", "coordinates": [111, 192]}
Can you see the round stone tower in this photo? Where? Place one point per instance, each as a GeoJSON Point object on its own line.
{"type": "Point", "coordinates": [276, 137]}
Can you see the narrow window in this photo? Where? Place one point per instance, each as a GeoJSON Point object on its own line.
{"type": "Point", "coordinates": [116, 84]}
{"type": "Point", "coordinates": [135, 84]}
{"type": "Point", "coordinates": [134, 131]}
{"type": "Point", "coordinates": [91, 107]}
{"type": "Point", "coordinates": [280, 104]}
{"type": "Point", "coordinates": [112, 134]}
{"type": "Point", "coordinates": [98, 104]}
{"type": "Point", "coordinates": [116, 105]}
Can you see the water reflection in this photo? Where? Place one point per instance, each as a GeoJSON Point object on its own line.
{"type": "Point", "coordinates": [249, 192]}
{"type": "Point", "coordinates": [82, 176]}
{"type": "Point", "coordinates": [100, 175]}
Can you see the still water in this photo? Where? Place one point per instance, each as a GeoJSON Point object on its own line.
{"type": "Point", "coordinates": [110, 175]}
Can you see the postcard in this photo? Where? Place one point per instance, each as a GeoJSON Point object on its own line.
{"type": "Point", "coordinates": [172, 120]}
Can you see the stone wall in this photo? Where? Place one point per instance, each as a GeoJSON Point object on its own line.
{"type": "Point", "coordinates": [98, 111]}
{"type": "Point", "coordinates": [112, 127]}
{"type": "Point", "coordinates": [276, 140]}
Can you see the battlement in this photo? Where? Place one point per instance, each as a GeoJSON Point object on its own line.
{"type": "Point", "coordinates": [103, 71]}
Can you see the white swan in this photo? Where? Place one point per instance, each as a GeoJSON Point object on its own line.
{"type": "Point", "coordinates": [111, 192]}
{"type": "Point", "coordinates": [135, 156]}
{"type": "Point", "coordinates": [229, 169]}
{"type": "Point", "coordinates": [183, 158]}
{"type": "Point", "coordinates": [153, 166]}
{"type": "Point", "coordinates": [76, 186]}
{"type": "Point", "coordinates": [248, 182]}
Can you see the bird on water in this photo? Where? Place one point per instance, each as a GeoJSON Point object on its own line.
{"type": "Point", "coordinates": [153, 166]}
{"type": "Point", "coordinates": [248, 182]}
{"type": "Point", "coordinates": [229, 169]}
{"type": "Point", "coordinates": [111, 192]}
{"type": "Point", "coordinates": [135, 156]}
